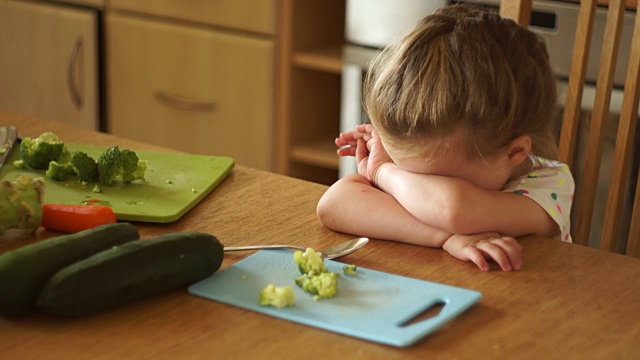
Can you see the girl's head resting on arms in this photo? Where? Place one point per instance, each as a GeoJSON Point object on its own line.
{"type": "Point", "coordinates": [463, 80]}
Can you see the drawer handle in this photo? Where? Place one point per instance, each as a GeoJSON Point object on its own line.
{"type": "Point", "coordinates": [182, 103]}
{"type": "Point", "coordinates": [72, 80]}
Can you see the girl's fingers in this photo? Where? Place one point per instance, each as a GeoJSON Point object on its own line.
{"type": "Point", "coordinates": [512, 249]}
{"type": "Point", "coordinates": [347, 151]}
{"type": "Point", "coordinates": [365, 128]}
{"type": "Point", "coordinates": [342, 141]}
{"type": "Point", "coordinates": [476, 256]}
{"type": "Point", "coordinates": [495, 252]}
{"type": "Point", "coordinates": [504, 252]}
{"type": "Point", "coordinates": [361, 150]}
{"type": "Point", "coordinates": [364, 131]}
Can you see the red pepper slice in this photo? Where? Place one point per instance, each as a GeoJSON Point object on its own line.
{"type": "Point", "coordinates": [75, 218]}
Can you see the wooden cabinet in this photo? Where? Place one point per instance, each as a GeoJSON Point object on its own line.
{"type": "Point", "coordinates": [257, 16]}
{"type": "Point", "coordinates": [311, 34]}
{"type": "Point", "coordinates": [49, 62]}
{"type": "Point", "coordinates": [188, 85]}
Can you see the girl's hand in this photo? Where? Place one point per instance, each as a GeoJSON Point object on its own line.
{"type": "Point", "coordinates": [478, 248]}
{"type": "Point", "coordinates": [365, 145]}
{"type": "Point", "coordinates": [347, 142]}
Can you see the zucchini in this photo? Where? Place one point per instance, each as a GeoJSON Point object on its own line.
{"type": "Point", "coordinates": [24, 271]}
{"type": "Point", "coordinates": [130, 272]}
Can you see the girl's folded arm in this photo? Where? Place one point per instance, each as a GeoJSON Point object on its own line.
{"type": "Point", "coordinates": [352, 205]}
{"type": "Point", "coordinates": [459, 207]}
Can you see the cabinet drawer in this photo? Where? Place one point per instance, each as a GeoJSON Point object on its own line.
{"type": "Point", "coordinates": [48, 62]}
{"type": "Point", "coordinates": [190, 89]}
{"type": "Point", "coordinates": [251, 15]}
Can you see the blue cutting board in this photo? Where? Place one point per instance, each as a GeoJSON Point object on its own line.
{"type": "Point", "coordinates": [174, 184]}
{"type": "Point", "coordinates": [371, 305]}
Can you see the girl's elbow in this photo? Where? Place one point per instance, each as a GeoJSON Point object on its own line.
{"type": "Point", "coordinates": [455, 217]}
{"type": "Point", "coordinates": [327, 208]}
{"type": "Point", "coordinates": [459, 224]}
{"type": "Point", "coordinates": [333, 200]}
{"type": "Point", "coordinates": [451, 220]}
{"type": "Point", "coordinates": [323, 210]}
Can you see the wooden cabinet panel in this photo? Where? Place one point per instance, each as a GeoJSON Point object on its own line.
{"type": "Point", "coordinates": [251, 15]}
{"type": "Point", "coordinates": [190, 89]}
{"type": "Point", "coordinates": [48, 62]}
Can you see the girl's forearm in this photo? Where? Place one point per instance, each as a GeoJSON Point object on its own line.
{"type": "Point", "coordinates": [459, 207]}
{"type": "Point", "coordinates": [438, 201]}
{"type": "Point", "coordinates": [352, 205]}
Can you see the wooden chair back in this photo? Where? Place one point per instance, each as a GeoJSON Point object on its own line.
{"type": "Point", "coordinates": [618, 188]}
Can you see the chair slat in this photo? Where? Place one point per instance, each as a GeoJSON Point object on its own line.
{"type": "Point", "coordinates": [585, 197]}
{"type": "Point", "coordinates": [577, 73]}
{"type": "Point", "coordinates": [633, 242]}
{"type": "Point", "coordinates": [518, 11]}
{"type": "Point", "coordinates": [624, 147]}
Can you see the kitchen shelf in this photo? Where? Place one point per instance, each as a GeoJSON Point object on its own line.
{"type": "Point", "coordinates": [327, 59]}
{"type": "Point", "coordinates": [310, 61]}
{"type": "Point", "coordinates": [321, 152]}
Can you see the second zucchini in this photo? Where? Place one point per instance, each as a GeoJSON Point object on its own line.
{"type": "Point", "coordinates": [130, 272]}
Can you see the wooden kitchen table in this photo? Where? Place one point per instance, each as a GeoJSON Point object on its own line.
{"type": "Point", "coordinates": [568, 301]}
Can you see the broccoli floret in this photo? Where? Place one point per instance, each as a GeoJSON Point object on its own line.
{"type": "Point", "coordinates": [349, 269]}
{"type": "Point", "coordinates": [115, 164]}
{"type": "Point", "coordinates": [19, 164]}
{"type": "Point", "coordinates": [21, 203]}
{"type": "Point", "coordinates": [109, 165]}
{"type": "Point", "coordinates": [315, 278]}
{"type": "Point", "coordinates": [277, 296]}
{"type": "Point", "coordinates": [84, 166]}
{"type": "Point", "coordinates": [129, 164]}
{"type": "Point", "coordinates": [59, 172]}
{"type": "Point", "coordinates": [39, 152]}
{"type": "Point", "coordinates": [322, 285]}
{"type": "Point", "coordinates": [309, 261]}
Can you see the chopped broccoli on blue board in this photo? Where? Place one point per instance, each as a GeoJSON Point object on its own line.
{"type": "Point", "coordinates": [349, 269]}
{"type": "Point", "coordinates": [315, 278]}
{"type": "Point", "coordinates": [277, 296]}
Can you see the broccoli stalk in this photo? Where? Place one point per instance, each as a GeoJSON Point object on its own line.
{"type": "Point", "coordinates": [115, 164]}
{"type": "Point", "coordinates": [277, 296]}
{"type": "Point", "coordinates": [21, 203]}
{"type": "Point", "coordinates": [39, 152]}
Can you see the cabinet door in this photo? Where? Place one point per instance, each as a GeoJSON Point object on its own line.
{"type": "Point", "coordinates": [48, 63]}
{"type": "Point", "coordinates": [190, 89]}
{"type": "Point", "coordinates": [251, 15]}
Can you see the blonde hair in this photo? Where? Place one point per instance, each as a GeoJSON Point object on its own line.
{"type": "Point", "coordinates": [463, 69]}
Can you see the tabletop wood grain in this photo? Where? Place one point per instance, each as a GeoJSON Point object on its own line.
{"type": "Point", "coordinates": [568, 301]}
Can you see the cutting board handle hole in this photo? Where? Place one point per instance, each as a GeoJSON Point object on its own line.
{"type": "Point", "coordinates": [426, 314]}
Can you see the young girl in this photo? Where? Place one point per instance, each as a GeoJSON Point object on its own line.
{"type": "Point", "coordinates": [459, 151]}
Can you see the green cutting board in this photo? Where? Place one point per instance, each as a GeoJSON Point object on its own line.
{"type": "Point", "coordinates": [174, 183]}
